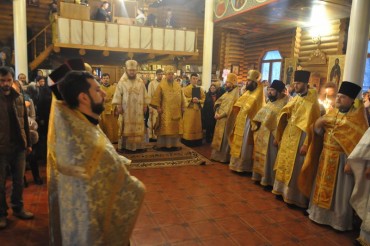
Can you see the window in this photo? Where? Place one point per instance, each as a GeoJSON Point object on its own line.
{"type": "Point", "coordinates": [366, 84]}
{"type": "Point", "coordinates": [271, 65]}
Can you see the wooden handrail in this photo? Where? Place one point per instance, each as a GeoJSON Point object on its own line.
{"type": "Point", "coordinates": [39, 33]}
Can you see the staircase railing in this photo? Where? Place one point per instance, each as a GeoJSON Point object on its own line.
{"type": "Point", "coordinates": [40, 41]}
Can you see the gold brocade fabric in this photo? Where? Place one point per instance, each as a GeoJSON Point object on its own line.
{"type": "Point", "coordinates": [193, 115]}
{"type": "Point", "coordinates": [223, 107]}
{"type": "Point", "coordinates": [153, 114]}
{"type": "Point", "coordinates": [93, 200]}
{"type": "Point", "coordinates": [295, 118]}
{"type": "Point", "coordinates": [170, 98]}
{"type": "Point", "coordinates": [249, 103]}
{"type": "Point", "coordinates": [133, 97]}
{"type": "Point", "coordinates": [342, 132]}
{"type": "Point", "coordinates": [266, 120]}
{"type": "Point", "coordinates": [108, 122]}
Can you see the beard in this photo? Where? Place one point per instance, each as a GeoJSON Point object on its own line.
{"type": "Point", "coordinates": [5, 88]}
{"type": "Point", "coordinates": [131, 77]}
{"type": "Point", "coordinates": [272, 98]}
{"type": "Point", "coordinates": [251, 86]}
{"type": "Point", "coordinates": [96, 108]}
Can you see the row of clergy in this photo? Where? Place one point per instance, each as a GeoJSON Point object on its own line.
{"type": "Point", "coordinates": [289, 147]}
{"type": "Point", "coordinates": [129, 99]}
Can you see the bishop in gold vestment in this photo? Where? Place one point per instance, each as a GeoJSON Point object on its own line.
{"type": "Point", "coordinates": [108, 121]}
{"type": "Point", "coordinates": [359, 161]}
{"type": "Point", "coordinates": [93, 200]}
{"type": "Point", "coordinates": [193, 132]}
{"type": "Point", "coordinates": [223, 107]}
{"type": "Point", "coordinates": [293, 125]}
{"type": "Point", "coordinates": [170, 102]}
{"type": "Point", "coordinates": [241, 138]}
{"type": "Point", "coordinates": [153, 114]}
{"type": "Point", "coordinates": [264, 132]}
{"type": "Point", "coordinates": [342, 128]}
{"type": "Point", "coordinates": [131, 99]}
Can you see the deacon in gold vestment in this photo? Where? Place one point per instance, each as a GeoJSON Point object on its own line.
{"type": "Point", "coordinates": [108, 121]}
{"type": "Point", "coordinates": [153, 114]}
{"type": "Point", "coordinates": [241, 137]}
{"type": "Point", "coordinates": [193, 132]}
{"type": "Point", "coordinates": [264, 132]}
{"type": "Point", "coordinates": [170, 102]}
{"type": "Point", "coordinates": [93, 200]}
{"type": "Point", "coordinates": [131, 99]}
{"type": "Point", "coordinates": [342, 128]}
{"type": "Point", "coordinates": [223, 107]}
{"type": "Point", "coordinates": [293, 125]}
{"type": "Point", "coordinates": [359, 161]}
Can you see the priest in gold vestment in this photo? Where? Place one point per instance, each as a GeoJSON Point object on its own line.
{"type": "Point", "coordinates": [342, 128]}
{"type": "Point", "coordinates": [264, 132]}
{"type": "Point", "coordinates": [108, 121]}
{"type": "Point", "coordinates": [359, 161]}
{"type": "Point", "coordinates": [293, 126]}
{"type": "Point", "coordinates": [241, 137]}
{"type": "Point", "coordinates": [131, 99]}
{"type": "Point", "coordinates": [93, 200]}
{"type": "Point", "coordinates": [170, 103]}
{"type": "Point", "coordinates": [223, 107]}
{"type": "Point", "coordinates": [153, 114]}
{"type": "Point", "coordinates": [193, 131]}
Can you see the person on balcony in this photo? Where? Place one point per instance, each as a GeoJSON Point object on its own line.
{"type": "Point", "coordinates": [103, 14]}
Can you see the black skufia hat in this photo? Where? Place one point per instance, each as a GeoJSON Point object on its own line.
{"type": "Point", "coordinates": [58, 74]}
{"type": "Point", "coordinates": [277, 85]}
{"type": "Point", "coordinates": [302, 76]}
{"type": "Point", "coordinates": [349, 89]}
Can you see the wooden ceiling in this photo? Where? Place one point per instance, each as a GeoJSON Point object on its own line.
{"type": "Point", "coordinates": [283, 15]}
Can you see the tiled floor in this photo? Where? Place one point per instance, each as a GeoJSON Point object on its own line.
{"type": "Point", "coordinates": [196, 205]}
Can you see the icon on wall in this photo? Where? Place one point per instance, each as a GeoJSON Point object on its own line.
{"type": "Point", "coordinates": [220, 7]}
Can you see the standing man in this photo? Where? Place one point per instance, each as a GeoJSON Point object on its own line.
{"type": "Point", "coordinates": [14, 145]}
{"type": "Point", "coordinates": [102, 13]}
{"type": "Point", "coordinates": [193, 132]}
{"type": "Point", "coordinates": [342, 128]}
{"type": "Point", "coordinates": [153, 114]}
{"type": "Point", "coordinates": [108, 121]}
{"type": "Point", "coordinates": [93, 199]}
{"type": "Point", "coordinates": [241, 138]}
{"type": "Point", "coordinates": [264, 127]}
{"type": "Point", "coordinates": [293, 126]}
{"type": "Point", "coordinates": [131, 99]}
{"type": "Point", "coordinates": [170, 103]}
{"type": "Point", "coordinates": [223, 107]}
{"type": "Point", "coordinates": [22, 78]}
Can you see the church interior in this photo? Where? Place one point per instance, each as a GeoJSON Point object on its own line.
{"type": "Point", "coordinates": [190, 198]}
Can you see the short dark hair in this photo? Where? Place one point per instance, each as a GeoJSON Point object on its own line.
{"type": "Point", "coordinates": [72, 85]}
{"type": "Point", "coordinates": [159, 71]}
{"type": "Point", "coordinates": [105, 74]}
{"type": "Point", "coordinates": [6, 70]}
{"type": "Point", "coordinates": [194, 75]}
{"type": "Point", "coordinates": [38, 78]}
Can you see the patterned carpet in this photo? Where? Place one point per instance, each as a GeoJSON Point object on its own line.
{"type": "Point", "coordinates": [152, 158]}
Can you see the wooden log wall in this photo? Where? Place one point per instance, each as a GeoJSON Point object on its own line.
{"type": "Point", "coordinates": [332, 43]}
{"type": "Point", "coordinates": [37, 19]}
{"type": "Point", "coordinates": [235, 50]}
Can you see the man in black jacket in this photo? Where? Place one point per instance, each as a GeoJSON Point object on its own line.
{"type": "Point", "coordinates": [14, 145]}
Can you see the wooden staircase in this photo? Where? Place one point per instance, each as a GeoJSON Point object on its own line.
{"type": "Point", "coordinates": [41, 46]}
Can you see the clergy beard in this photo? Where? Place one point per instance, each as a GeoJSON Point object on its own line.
{"type": "Point", "coordinates": [228, 89]}
{"type": "Point", "coordinates": [272, 98]}
{"type": "Point", "coordinates": [131, 77]}
{"type": "Point", "coordinates": [251, 86]}
{"type": "Point", "coordinates": [96, 108]}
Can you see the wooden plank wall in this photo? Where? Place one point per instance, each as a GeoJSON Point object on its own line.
{"type": "Point", "coordinates": [331, 44]}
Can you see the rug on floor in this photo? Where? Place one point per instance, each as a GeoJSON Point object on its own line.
{"type": "Point", "coordinates": [153, 158]}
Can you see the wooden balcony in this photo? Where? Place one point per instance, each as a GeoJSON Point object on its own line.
{"type": "Point", "coordinates": [94, 35]}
